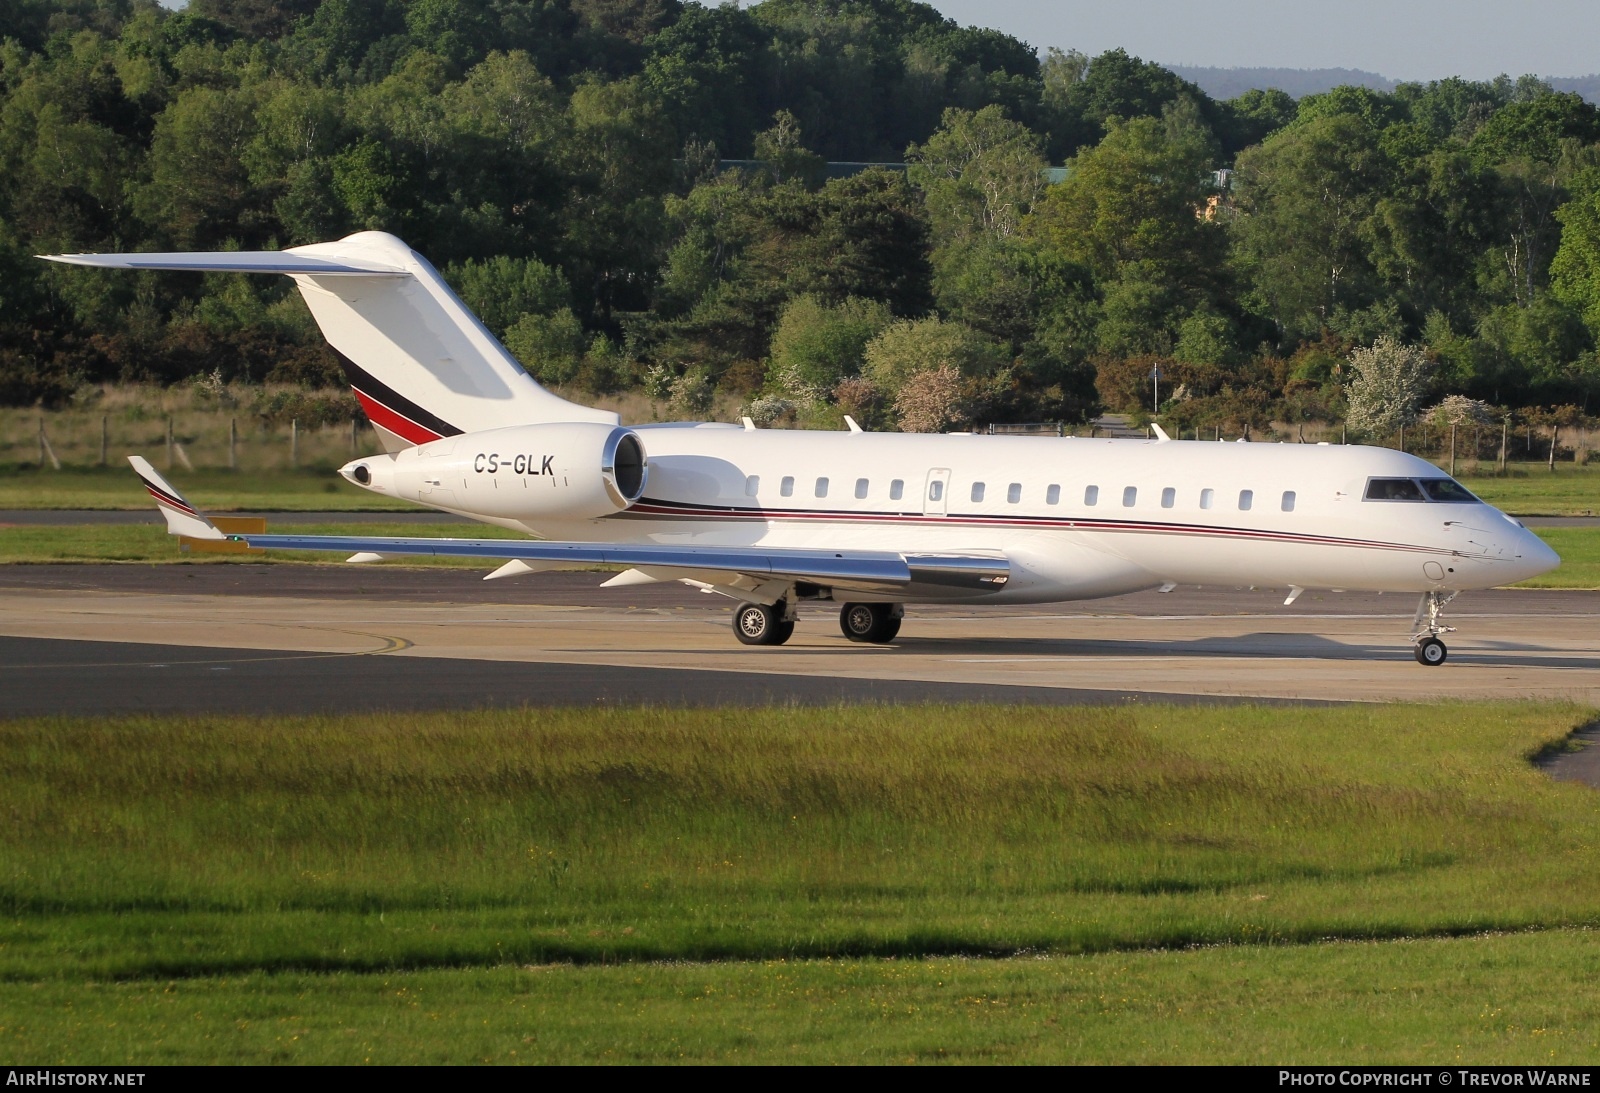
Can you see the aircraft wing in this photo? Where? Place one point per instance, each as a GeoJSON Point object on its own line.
{"type": "Point", "coordinates": [853, 567]}
{"type": "Point", "coordinates": [734, 566]}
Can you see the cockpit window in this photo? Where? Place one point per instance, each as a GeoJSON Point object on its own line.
{"type": "Point", "coordinates": [1393, 489]}
{"type": "Point", "coordinates": [1447, 489]}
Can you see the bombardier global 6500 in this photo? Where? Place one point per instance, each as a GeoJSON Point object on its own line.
{"type": "Point", "coordinates": [872, 521]}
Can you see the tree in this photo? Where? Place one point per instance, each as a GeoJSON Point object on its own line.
{"type": "Point", "coordinates": [781, 149]}
{"type": "Point", "coordinates": [1127, 213]}
{"type": "Point", "coordinates": [981, 173]}
{"type": "Point", "coordinates": [816, 346]}
{"type": "Point", "coordinates": [1575, 271]}
{"type": "Point", "coordinates": [1306, 196]}
{"type": "Point", "coordinates": [1388, 382]}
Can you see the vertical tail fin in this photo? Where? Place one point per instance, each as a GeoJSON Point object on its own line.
{"type": "Point", "coordinates": [421, 364]}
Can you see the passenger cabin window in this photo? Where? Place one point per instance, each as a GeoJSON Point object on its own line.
{"type": "Point", "coordinates": [935, 490]}
{"type": "Point", "coordinates": [1091, 495]}
{"type": "Point", "coordinates": [1169, 497]}
{"type": "Point", "coordinates": [1393, 489]}
{"type": "Point", "coordinates": [822, 487]}
{"type": "Point", "coordinates": [1288, 500]}
{"type": "Point", "coordinates": [861, 487]}
{"type": "Point", "coordinates": [1130, 495]}
{"type": "Point", "coordinates": [897, 489]}
{"type": "Point", "coordinates": [1052, 496]}
{"type": "Point", "coordinates": [786, 487]}
{"type": "Point", "coordinates": [977, 491]}
{"type": "Point", "coordinates": [752, 485]}
{"type": "Point", "coordinates": [1246, 499]}
{"type": "Point", "coordinates": [1014, 493]}
{"type": "Point", "coordinates": [1208, 498]}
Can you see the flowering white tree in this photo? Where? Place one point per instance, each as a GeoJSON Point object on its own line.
{"type": "Point", "coordinates": [1388, 382]}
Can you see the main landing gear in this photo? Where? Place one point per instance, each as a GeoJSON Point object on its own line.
{"type": "Point", "coordinates": [877, 623]}
{"type": "Point", "coordinates": [1428, 625]}
{"type": "Point", "coordinates": [759, 624]}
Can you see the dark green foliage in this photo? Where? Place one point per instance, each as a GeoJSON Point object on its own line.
{"type": "Point", "coordinates": [580, 143]}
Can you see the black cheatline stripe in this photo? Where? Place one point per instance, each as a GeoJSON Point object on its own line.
{"type": "Point", "coordinates": [162, 495]}
{"type": "Point", "coordinates": [380, 392]}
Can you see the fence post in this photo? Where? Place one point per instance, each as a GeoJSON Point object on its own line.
{"type": "Point", "coordinates": [45, 450]}
{"type": "Point", "coordinates": [1505, 428]}
{"type": "Point", "coordinates": [1402, 438]}
{"type": "Point", "coordinates": [169, 442]}
{"type": "Point", "coordinates": [1452, 449]}
{"type": "Point", "coordinates": [353, 435]}
{"type": "Point", "coordinates": [105, 437]}
{"type": "Point", "coordinates": [233, 440]}
{"type": "Point", "coordinates": [294, 442]}
{"type": "Point", "coordinates": [1555, 431]}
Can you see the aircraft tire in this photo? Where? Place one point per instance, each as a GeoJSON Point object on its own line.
{"type": "Point", "coordinates": [758, 624]}
{"type": "Point", "coordinates": [1431, 652]}
{"type": "Point", "coordinates": [874, 623]}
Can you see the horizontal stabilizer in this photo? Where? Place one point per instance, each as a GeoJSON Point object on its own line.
{"type": "Point", "coordinates": [244, 261]}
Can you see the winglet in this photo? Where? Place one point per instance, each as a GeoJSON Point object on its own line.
{"type": "Point", "coordinates": [851, 422]}
{"type": "Point", "coordinates": [182, 519]}
{"type": "Point", "coordinates": [1161, 434]}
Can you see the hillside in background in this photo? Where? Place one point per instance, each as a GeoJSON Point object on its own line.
{"type": "Point", "coordinates": [1228, 83]}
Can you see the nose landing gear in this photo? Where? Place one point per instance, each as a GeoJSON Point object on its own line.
{"type": "Point", "coordinates": [1428, 625]}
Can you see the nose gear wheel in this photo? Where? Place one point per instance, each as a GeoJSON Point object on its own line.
{"type": "Point", "coordinates": [1428, 625]}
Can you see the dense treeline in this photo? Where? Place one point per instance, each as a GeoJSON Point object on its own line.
{"type": "Point", "coordinates": [565, 163]}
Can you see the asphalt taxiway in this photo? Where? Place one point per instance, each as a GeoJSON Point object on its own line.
{"type": "Point", "coordinates": [291, 638]}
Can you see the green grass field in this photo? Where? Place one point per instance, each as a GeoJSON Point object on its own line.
{"type": "Point", "coordinates": [1531, 489]}
{"type": "Point", "coordinates": [39, 543]}
{"type": "Point", "coordinates": [787, 883]}
{"type": "Point", "coordinates": [116, 487]}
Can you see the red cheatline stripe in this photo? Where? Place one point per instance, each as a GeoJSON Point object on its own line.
{"type": "Point", "coordinates": [668, 510]}
{"type": "Point", "coordinates": [164, 498]}
{"type": "Point", "coordinates": [398, 424]}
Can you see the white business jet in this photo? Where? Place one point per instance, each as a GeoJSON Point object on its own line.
{"type": "Point", "coordinates": [874, 521]}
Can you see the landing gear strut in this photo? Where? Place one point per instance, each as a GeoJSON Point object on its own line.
{"type": "Point", "coordinates": [877, 623]}
{"type": "Point", "coordinates": [1428, 625]}
{"type": "Point", "coordinates": [759, 624]}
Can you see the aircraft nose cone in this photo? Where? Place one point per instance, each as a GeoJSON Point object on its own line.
{"type": "Point", "coordinates": [1533, 555]}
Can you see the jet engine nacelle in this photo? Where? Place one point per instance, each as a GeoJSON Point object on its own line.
{"type": "Point", "coordinates": [562, 471]}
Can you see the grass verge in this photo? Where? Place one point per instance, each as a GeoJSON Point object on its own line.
{"type": "Point", "coordinates": [317, 489]}
{"type": "Point", "coordinates": [226, 845]}
{"type": "Point", "coordinates": [43, 543]}
{"type": "Point", "coordinates": [801, 885]}
{"type": "Point", "coordinates": [1510, 998]}
{"type": "Point", "coordinates": [1532, 489]}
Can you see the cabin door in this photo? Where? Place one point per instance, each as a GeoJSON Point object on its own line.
{"type": "Point", "coordinates": [935, 497]}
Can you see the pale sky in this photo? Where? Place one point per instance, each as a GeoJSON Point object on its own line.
{"type": "Point", "coordinates": [1401, 39]}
